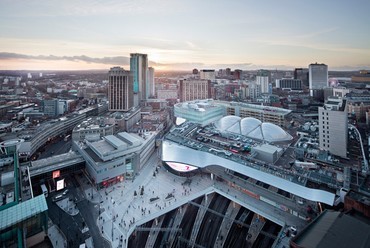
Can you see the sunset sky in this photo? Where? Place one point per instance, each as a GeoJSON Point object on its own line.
{"type": "Point", "coordinates": [241, 34]}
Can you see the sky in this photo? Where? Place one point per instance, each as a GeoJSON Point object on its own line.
{"type": "Point", "coordinates": [186, 34]}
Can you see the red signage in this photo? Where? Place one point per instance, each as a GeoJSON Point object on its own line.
{"type": "Point", "coordinates": [56, 174]}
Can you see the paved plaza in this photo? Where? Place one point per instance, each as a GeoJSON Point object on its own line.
{"type": "Point", "coordinates": [122, 211]}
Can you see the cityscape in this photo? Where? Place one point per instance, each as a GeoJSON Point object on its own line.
{"type": "Point", "coordinates": [184, 124]}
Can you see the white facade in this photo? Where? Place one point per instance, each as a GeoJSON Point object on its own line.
{"type": "Point", "coordinates": [317, 77]}
{"type": "Point", "coordinates": [191, 90]}
{"type": "Point", "coordinates": [207, 75]}
{"type": "Point", "coordinates": [333, 131]}
{"type": "Point", "coordinates": [340, 91]}
{"type": "Point", "coordinates": [116, 157]}
{"type": "Point", "coordinates": [263, 82]}
{"type": "Point", "coordinates": [253, 90]}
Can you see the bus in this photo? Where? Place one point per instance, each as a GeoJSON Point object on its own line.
{"type": "Point", "coordinates": [44, 190]}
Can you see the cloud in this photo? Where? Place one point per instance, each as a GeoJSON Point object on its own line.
{"type": "Point", "coordinates": [118, 60]}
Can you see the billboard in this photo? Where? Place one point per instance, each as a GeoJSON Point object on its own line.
{"type": "Point", "coordinates": [181, 167]}
{"type": "Point", "coordinates": [56, 173]}
{"type": "Point", "coordinates": [60, 184]}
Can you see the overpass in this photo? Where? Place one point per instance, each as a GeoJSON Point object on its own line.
{"type": "Point", "coordinates": [53, 163]}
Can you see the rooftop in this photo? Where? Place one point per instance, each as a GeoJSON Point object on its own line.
{"type": "Point", "coordinates": [252, 128]}
{"type": "Point", "coordinates": [22, 211]}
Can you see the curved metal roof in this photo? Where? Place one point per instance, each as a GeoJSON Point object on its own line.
{"type": "Point", "coordinates": [173, 152]}
{"type": "Point", "coordinates": [252, 128]}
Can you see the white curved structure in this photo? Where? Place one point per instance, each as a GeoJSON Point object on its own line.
{"type": "Point", "coordinates": [252, 128]}
{"type": "Point", "coordinates": [173, 152]}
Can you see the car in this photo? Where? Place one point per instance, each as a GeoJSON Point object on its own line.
{"type": "Point", "coordinates": [57, 198]}
{"type": "Point", "coordinates": [65, 192]}
{"type": "Point", "coordinates": [293, 231]}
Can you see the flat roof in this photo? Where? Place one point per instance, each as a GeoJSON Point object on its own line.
{"type": "Point", "coordinates": [102, 147]}
{"type": "Point", "coordinates": [132, 140]}
{"type": "Point", "coordinates": [114, 141]}
{"type": "Point", "coordinates": [22, 211]}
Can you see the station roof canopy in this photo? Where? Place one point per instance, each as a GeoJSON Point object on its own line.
{"type": "Point", "coordinates": [22, 211]}
{"type": "Point", "coordinates": [252, 128]}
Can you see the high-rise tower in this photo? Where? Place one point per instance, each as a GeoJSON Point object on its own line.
{"type": "Point", "coordinates": [317, 77]}
{"type": "Point", "coordinates": [120, 89]}
{"type": "Point", "coordinates": [139, 67]}
{"type": "Point", "coordinates": [151, 83]}
{"type": "Point", "coordinates": [262, 80]}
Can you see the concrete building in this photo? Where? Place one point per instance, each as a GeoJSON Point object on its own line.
{"type": "Point", "coordinates": [207, 75]}
{"type": "Point", "coordinates": [340, 91]}
{"type": "Point", "coordinates": [92, 129]}
{"type": "Point", "coordinates": [289, 83]}
{"type": "Point", "coordinates": [116, 157]}
{"type": "Point", "coordinates": [151, 83]}
{"type": "Point", "coordinates": [120, 90]}
{"type": "Point", "coordinates": [204, 111]}
{"type": "Point", "coordinates": [190, 90]}
{"type": "Point", "coordinates": [167, 94]}
{"type": "Point", "coordinates": [125, 121]}
{"type": "Point", "coordinates": [263, 113]}
{"type": "Point", "coordinates": [41, 134]}
{"type": "Point", "coordinates": [139, 68]}
{"type": "Point", "coordinates": [318, 77]}
{"type": "Point", "coordinates": [358, 104]}
{"type": "Point", "coordinates": [302, 74]}
{"type": "Point", "coordinates": [262, 80]}
{"type": "Point", "coordinates": [267, 153]}
{"type": "Point", "coordinates": [252, 90]}
{"type": "Point", "coordinates": [333, 128]}
{"type": "Point", "coordinates": [54, 107]}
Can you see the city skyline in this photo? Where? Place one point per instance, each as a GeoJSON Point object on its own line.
{"type": "Point", "coordinates": [179, 35]}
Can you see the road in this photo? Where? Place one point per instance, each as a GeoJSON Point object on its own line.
{"type": "Point", "coordinates": [71, 226]}
{"type": "Point", "coordinates": [57, 148]}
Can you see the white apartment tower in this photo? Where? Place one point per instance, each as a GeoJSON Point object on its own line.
{"type": "Point", "coordinates": [120, 89]}
{"type": "Point", "coordinates": [333, 129]}
{"type": "Point", "coordinates": [262, 80]}
{"type": "Point", "coordinates": [317, 77]}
